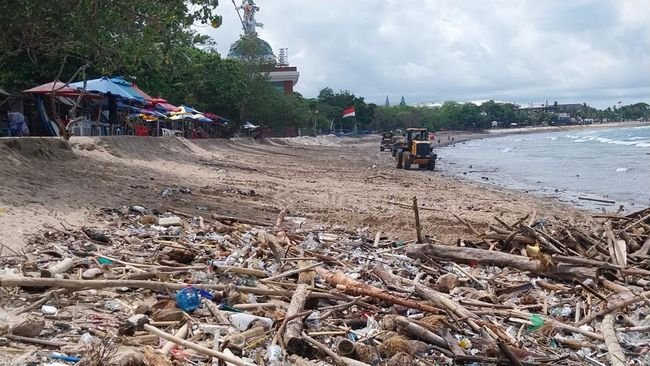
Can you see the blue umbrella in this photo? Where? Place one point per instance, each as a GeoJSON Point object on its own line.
{"type": "Point", "coordinates": [105, 85]}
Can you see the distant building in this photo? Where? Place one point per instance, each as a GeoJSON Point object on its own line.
{"type": "Point", "coordinates": [387, 104]}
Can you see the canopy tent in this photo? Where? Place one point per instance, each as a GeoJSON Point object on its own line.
{"type": "Point", "coordinates": [105, 85]}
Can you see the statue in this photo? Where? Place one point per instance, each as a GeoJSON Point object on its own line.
{"type": "Point", "coordinates": [248, 21]}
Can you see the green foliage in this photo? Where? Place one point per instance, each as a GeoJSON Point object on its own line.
{"type": "Point", "coordinates": [127, 37]}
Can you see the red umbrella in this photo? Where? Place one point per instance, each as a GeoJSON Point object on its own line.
{"type": "Point", "coordinates": [57, 86]}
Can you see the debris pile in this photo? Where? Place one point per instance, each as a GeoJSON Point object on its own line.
{"type": "Point", "coordinates": [159, 288]}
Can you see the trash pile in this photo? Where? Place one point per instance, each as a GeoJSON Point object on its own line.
{"type": "Point", "coordinates": [160, 288]}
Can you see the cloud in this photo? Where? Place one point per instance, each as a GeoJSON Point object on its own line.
{"type": "Point", "coordinates": [594, 51]}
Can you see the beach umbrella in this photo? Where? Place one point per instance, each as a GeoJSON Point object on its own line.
{"type": "Point", "coordinates": [57, 86]}
{"type": "Point", "coordinates": [3, 92]}
{"type": "Point", "coordinates": [131, 88]}
{"type": "Point", "coordinates": [187, 109]}
{"type": "Point", "coordinates": [105, 85]}
{"type": "Point", "coordinates": [163, 105]}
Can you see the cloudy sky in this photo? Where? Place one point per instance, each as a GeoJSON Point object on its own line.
{"type": "Point", "coordinates": [594, 51]}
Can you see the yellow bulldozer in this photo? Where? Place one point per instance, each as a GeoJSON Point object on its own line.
{"type": "Point", "coordinates": [414, 148]}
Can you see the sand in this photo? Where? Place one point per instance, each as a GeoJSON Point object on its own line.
{"type": "Point", "coordinates": [345, 182]}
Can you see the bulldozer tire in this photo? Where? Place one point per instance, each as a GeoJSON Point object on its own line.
{"type": "Point", "coordinates": [432, 164]}
{"type": "Point", "coordinates": [406, 160]}
{"type": "Point", "coordinates": [381, 148]}
{"type": "Point", "coordinates": [398, 159]}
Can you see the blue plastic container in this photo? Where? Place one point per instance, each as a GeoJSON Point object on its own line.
{"type": "Point", "coordinates": [188, 299]}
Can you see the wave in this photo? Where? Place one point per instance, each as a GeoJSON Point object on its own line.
{"type": "Point", "coordinates": [640, 142]}
{"type": "Point", "coordinates": [507, 149]}
{"type": "Point", "coordinates": [621, 170]}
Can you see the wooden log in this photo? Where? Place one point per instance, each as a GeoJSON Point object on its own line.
{"type": "Point", "coordinates": [293, 341]}
{"type": "Point", "coordinates": [57, 268]}
{"type": "Point", "coordinates": [420, 332]}
{"type": "Point", "coordinates": [204, 350]}
{"type": "Point", "coordinates": [418, 227]}
{"type": "Point", "coordinates": [643, 252]}
{"type": "Point", "coordinates": [615, 354]}
{"type": "Point", "coordinates": [351, 286]}
{"type": "Point", "coordinates": [493, 258]}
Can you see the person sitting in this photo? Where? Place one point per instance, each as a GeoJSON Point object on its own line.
{"type": "Point", "coordinates": [17, 124]}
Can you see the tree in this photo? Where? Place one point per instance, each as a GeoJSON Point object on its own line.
{"type": "Point", "coordinates": [127, 37]}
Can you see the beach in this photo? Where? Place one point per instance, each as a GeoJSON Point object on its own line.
{"type": "Point", "coordinates": [328, 181]}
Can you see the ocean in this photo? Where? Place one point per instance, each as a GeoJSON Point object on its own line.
{"type": "Point", "coordinates": [570, 166]}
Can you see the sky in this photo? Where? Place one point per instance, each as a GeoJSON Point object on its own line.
{"type": "Point", "coordinates": [593, 51]}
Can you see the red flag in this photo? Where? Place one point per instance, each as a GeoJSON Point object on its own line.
{"type": "Point", "coordinates": [349, 112]}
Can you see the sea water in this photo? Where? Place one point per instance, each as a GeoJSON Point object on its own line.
{"type": "Point", "coordinates": [610, 164]}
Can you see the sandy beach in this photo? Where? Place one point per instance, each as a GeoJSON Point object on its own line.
{"type": "Point", "coordinates": [327, 180]}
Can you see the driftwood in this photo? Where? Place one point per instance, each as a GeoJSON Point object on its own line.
{"type": "Point", "coordinates": [434, 296]}
{"type": "Point", "coordinates": [499, 259]}
{"type": "Point", "coordinates": [645, 296]}
{"type": "Point", "coordinates": [418, 227]}
{"type": "Point", "coordinates": [292, 335]}
{"type": "Point", "coordinates": [58, 268]}
{"type": "Point", "coordinates": [615, 353]}
{"type": "Point", "coordinates": [420, 332]}
{"type": "Point", "coordinates": [348, 285]}
{"type": "Point", "coordinates": [204, 350]}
